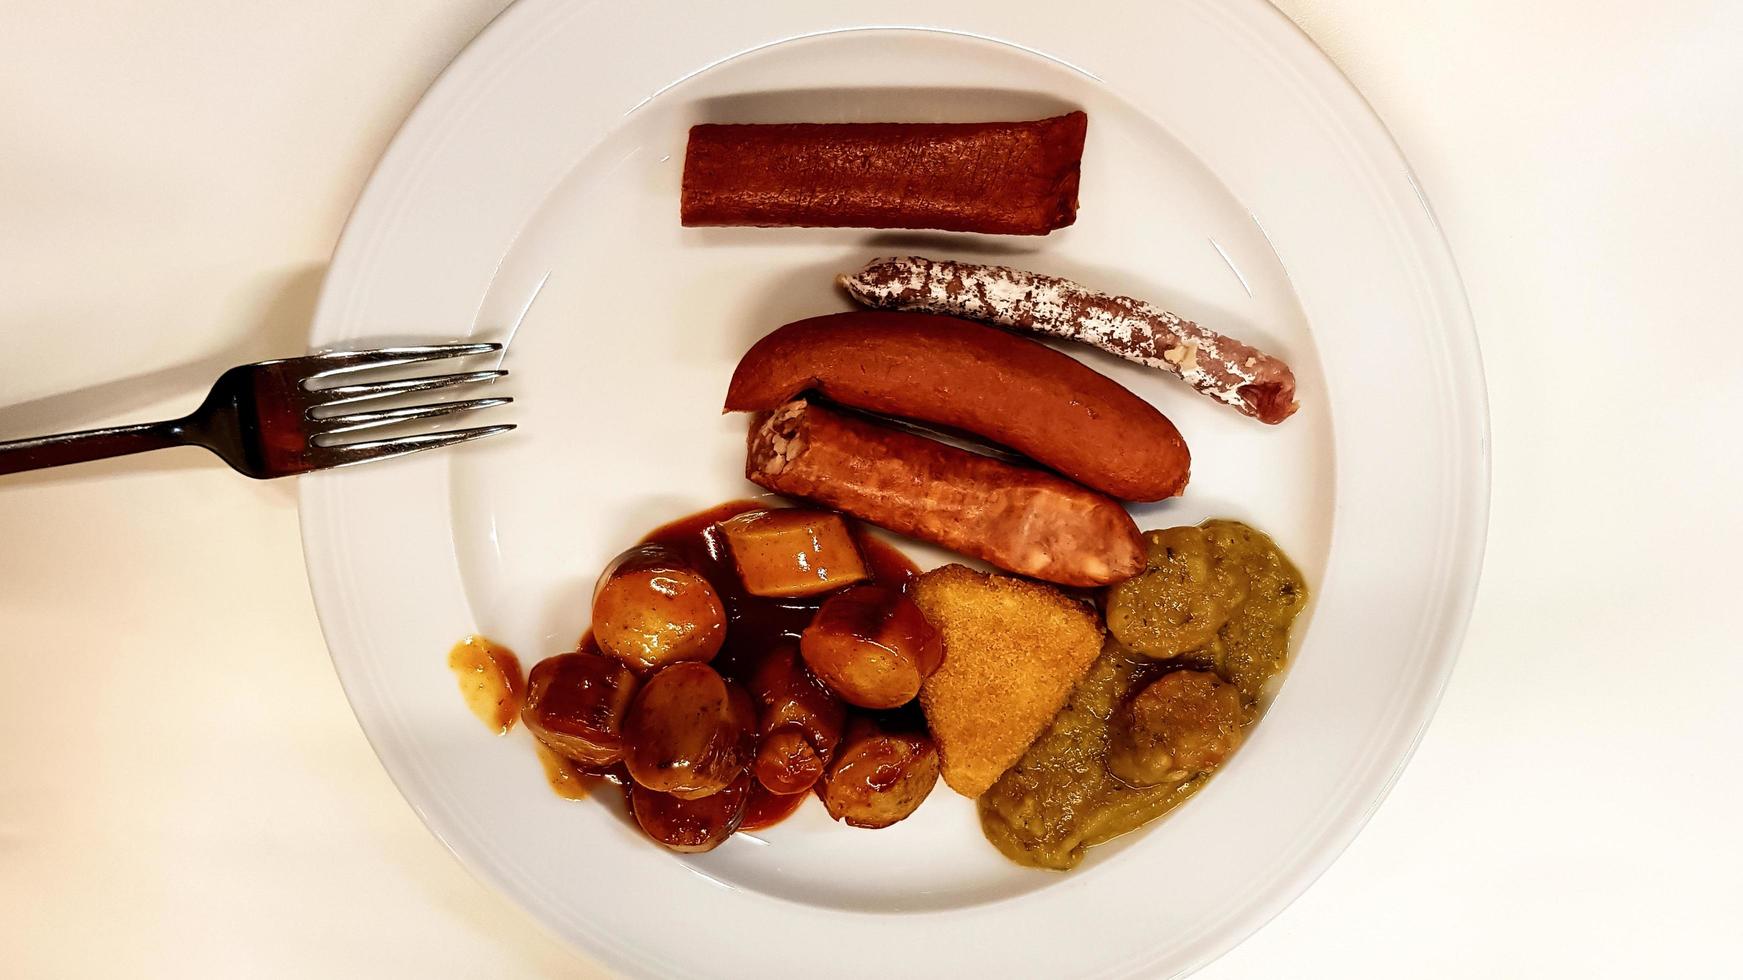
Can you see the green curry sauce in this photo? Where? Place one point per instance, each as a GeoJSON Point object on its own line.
{"type": "Point", "coordinates": [1217, 597]}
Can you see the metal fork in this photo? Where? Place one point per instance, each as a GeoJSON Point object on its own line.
{"type": "Point", "coordinates": [261, 418]}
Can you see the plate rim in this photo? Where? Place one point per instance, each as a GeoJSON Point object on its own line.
{"type": "Point", "coordinates": [1469, 537]}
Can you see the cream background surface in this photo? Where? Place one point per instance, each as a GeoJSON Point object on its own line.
{"type": "Point", "coordinates": [183, 791]}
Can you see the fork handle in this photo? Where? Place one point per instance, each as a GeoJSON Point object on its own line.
{"type": "Point", "coordinates": [79, 447]}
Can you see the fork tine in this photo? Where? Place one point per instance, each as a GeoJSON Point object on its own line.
{"type": "Point", "coordinates": [345, 361]}
{"type": "Point", "coordinates": [332, 425]}
{"type": "Point", "coordinates": [341, 394]}
{"type": "Point", "coordinates": [326, 457]}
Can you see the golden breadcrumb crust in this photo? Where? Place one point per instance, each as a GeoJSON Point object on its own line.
{"type": "Point", "coordinates": [1013, 650]}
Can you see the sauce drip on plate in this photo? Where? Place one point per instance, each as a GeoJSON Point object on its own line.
{"type": "Point", "coordinates": [567, 780]}
{"type": "Point", "coordinates": [490, 680]}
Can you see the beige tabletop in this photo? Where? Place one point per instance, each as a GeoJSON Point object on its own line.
{"type": "Point", "coordinates": [183, 790]}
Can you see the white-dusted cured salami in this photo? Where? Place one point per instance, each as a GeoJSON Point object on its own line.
{"type": "Point", "coordinates": [1240, 376]}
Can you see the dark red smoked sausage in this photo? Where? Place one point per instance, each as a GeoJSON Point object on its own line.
{"type": "Point", "coordinates": [1023, 520]}
{"type": "Point", "coordinates": [1006, 178]}
{"type": "Point", "coordinates": [982, 380]}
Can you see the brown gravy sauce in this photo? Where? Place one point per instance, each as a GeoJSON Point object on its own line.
{"type": "Point", "coordinates": [491, 679]}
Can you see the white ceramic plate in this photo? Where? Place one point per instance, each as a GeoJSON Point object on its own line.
{"type": "Point", "coordinates": [1230, 173]}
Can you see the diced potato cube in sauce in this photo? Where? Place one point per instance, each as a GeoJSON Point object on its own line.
{"type": "Point", "coordinates": [793, 552]}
